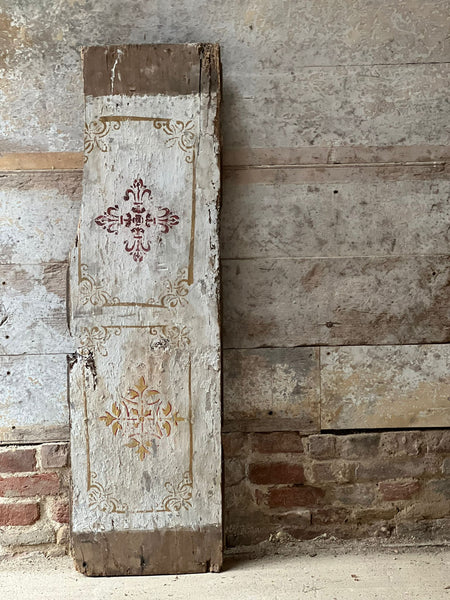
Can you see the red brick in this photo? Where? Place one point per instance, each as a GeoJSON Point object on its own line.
{"type": "Point", "coordinates": [270, 473]}
{"type": "Point", "coordinates": [438, 441]}
{"type": "Point", "coordinates": [358, 494]}
{"type": "Point", "coordinates": [18, 514]}
{"type": "Point", "coordinates": [54, 456]}
{"type": "Point", "coordinates": [328, 515]}
{"type": "Point", "coordinates": [279, 441]}
{"type": "Point", "coordinates": [358, 445]}
{"type": "Point", "coordinates": [321, 446]}
{"type": "Point", "coordinates": [18, 461]}
{"type": "Point", "coordinates": [331, 471]}
{"type": "Point", "coordinates": [60, 511]}
{"type": "Point", "coordinates": [401, 443]}
{"type": "Point", "coordinates": [398, 490]}
{"type": "Point", "coordinates": [234, 444]}
{"type": "Point", "coordinates": [289, 497]}
{"type": "Point", "coordinates": [234, 471]}
{"type": "Point", "coordinates": [379, 470]}
{"type": "Point", "coordinates": [446, 466]}
{"type": "Point", "coordinates": [44, 484]}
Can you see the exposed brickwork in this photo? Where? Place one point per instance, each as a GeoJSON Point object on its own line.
{"type": "Point", "coordinates": [355, 485]}
{"type": "Point", "coordinates": [34, 509]}
{"type": "Point", "coordinates": [348, 486]}
{"type": "Point", "coordinates": [43, 484]}
{"type": "Point", "coordinates": [54, 456]}
{"type": "Point", "coordinates": [18, 460]}
{"type": "Point", "coordinates": [290, 497]}
{"type": "Point", "coordinates": [275, 473]}
{"type": "Point", "coordinates": [357, 446]}
{"type": "Point", "coordinates": [399, 490]}
{"type": "Point", "coordinates": [60, 511]}
{"type": "Point", "coordinates": [19, 514]}
{"type": "Point", "coordinates": [277, 442]}
{"type": "Point", "coordinates": [321, 446]}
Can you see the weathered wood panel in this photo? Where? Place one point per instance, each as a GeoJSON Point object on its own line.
{"type": "Point", "coordinates": [297, 174]}
{"type": "Point", "coordinates": [33, 309]}
{"type": "Point", "coordinates": [335, 156]}
{"type": "Point", "coordinates": [385, 386]}
{"type": "Point", "coordinates": [350, 219]}
{"type": "Point", "coordinates": [38, 216]}
{"type": "Point", "coordinates": [145, 394]}
{"type": "Point", "coordinates": [265, 38]}
{"type": "Point", "coordinates": [374, 106]}
{"type": "Point", "coordinates": [271, 389]}
{"type": "Point", "coordinates": [341, 301]}
{"type": "Point", "coordinates": [33, 399]}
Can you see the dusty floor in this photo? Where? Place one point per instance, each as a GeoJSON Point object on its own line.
{"type": "Point", "coordinates": [321, 574]}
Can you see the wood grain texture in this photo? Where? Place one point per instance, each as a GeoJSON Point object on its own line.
{"type": "Point", "coordinates": [161, 552]}
{"type": "Point", "coordinates": [380, 105]}
{"type": "Point", "coordinates": [315, 42]}
{"type": "Point", "coordinates": [33, 399]}
{"type": "Point", "coordinates": [328, 220]}
{"type": "Point", "coordinates": [385, 387]}
{"type": "Point", "coordinates": [267, 388]}
{"type": "Point", "coordinates": [38, 216]}
{"type": "Point", "coordinates": [145, 389]}
{"type": "Point", "coordinates": [33, 309]}
{"type": "Point", "coordinates": [127, 70]}
{"type": "Point", "coordinates": [336, 301]}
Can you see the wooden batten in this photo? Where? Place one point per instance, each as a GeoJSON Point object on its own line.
{"type": "Point", "coordinates": [145, 393]}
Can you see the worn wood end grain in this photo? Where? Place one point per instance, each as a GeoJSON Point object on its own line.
{"type": "Point", "coordinates": [171, 69]}
{"type": "Point", "coordinates": [164, 552]}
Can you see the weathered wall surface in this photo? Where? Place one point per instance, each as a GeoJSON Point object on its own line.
{"type": "Point", "coordinates": [335, 222]}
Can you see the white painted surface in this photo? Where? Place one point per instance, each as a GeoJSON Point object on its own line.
{"type": "Point", "coordinates": [157, 336]}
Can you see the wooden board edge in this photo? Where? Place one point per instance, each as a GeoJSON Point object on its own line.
{"type": "Point", "coordinates": [162, 552]}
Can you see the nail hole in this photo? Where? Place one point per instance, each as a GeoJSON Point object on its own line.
{"type": "Point", "coordinates": [7, 337]}
{"type": "Point", "coordinates": [270, 412]}
{"type": "Point", "coordinates": [335, 192]}
{"type": "Point", "coordinates": [8, 372]}
{"type": "Point", "coordinates": [3, 282]}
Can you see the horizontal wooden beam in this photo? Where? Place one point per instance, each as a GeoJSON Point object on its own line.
{"type": "Point", "coordinates": [263, 158]}
{"type": "Point", "coordinates": [41, 161]}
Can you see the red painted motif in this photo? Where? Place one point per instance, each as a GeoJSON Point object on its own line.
{"type": "Point", "coordinates": [138, 220]}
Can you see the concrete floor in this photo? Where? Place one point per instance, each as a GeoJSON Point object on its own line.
{"type": "Point", "coordinates": [373, 575]}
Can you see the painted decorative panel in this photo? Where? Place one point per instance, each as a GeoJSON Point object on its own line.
{"type": "Point", "coordinates": [145, 381]}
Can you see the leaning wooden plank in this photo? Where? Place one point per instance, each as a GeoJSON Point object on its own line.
{"type": "Point", "coordinates": [145, 383]}
{"type": "Point", "coordinates": [33, 309]}
{"type": "Point", "coordinates": [385, 387]}
{"type": "Point", "coordinates": [271, 389]}
{"type": "Point", "coordinates": [336, 301]}
{"type": "Point", "coordinates": [33, 399]}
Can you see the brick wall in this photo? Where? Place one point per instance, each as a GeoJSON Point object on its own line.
{"type": "Point", "coordinates": [34, 509]}
{"type": "Point", "coordinates": [348, 486]}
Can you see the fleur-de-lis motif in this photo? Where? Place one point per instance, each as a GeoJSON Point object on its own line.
{"type": "Point", "coordinates": [137, 220]}
{"type": "Point", "coordinates": [142, 418]}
